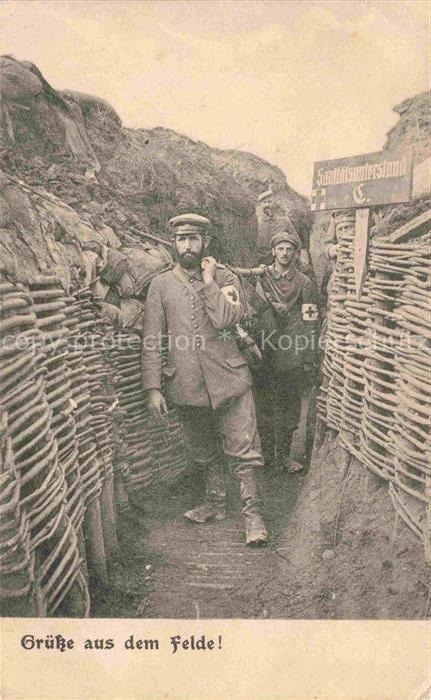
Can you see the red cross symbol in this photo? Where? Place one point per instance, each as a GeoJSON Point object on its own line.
{"type": "Point", "coordinates": [309, 312]}
{"type": "Point", "coordinates": [318, 199]}
{"type": "Point", "coordinates": [231, 294]}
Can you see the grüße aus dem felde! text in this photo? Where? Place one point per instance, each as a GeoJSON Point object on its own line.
{"type": "Point", "coordinates": [60, 643]}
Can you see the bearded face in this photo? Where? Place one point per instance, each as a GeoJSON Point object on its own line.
{"type": "Point", "coordinates": [189, 250]}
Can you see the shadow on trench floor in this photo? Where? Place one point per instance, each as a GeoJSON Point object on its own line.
{"type": "Point", "coordinates": [170, 568]}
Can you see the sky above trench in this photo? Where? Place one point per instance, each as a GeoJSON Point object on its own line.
{"type": "Point", "coordinates": [291, 82]}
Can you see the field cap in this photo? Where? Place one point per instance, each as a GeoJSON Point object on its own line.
{"type": "Point", "coordinates": [285, 236]}
{"type": "Point", "coordinates": [189, 223]}
{"type": "Point", "coordinates": [343, 216]}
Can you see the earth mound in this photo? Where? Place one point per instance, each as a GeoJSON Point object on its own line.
{"type": "Point", "coordinates": [132, 180]}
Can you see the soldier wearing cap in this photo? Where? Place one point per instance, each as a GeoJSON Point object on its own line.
{"type": "Point", "coordinates": [289, 342]}
{"type": "Point", "coordinates": [340, 223]}
{"type": "Point", "coordinates": [196, 305]}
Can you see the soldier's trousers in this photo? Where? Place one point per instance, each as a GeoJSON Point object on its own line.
{"type": "Point", "coordinates": [230, 429]}
{"type": "Point", "coordinates": [279, 408]}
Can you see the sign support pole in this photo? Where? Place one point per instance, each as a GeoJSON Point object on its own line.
{"type": "Point", "coordinates": [362, 227]}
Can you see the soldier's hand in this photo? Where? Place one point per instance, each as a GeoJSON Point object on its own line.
{"type": "Point", "coordinates": [333, 251]}
{"type": "Point", "coordinates": [208, 266]}
{"type": "Point", "coordinates": [156, 403]}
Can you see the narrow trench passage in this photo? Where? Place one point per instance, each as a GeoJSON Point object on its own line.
{"type": "Point", "coordinates": [171, 568]}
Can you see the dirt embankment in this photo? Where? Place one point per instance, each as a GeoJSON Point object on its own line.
{"type": "Point", "coordinates": [345, 554]}
{"type": "Point", "coordinates": [75, 146]}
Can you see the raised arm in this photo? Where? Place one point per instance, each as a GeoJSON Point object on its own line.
{"type": "Point", "coordinates": [222, 298]}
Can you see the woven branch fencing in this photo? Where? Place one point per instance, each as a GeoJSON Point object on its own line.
{"type": "Point", "coordinates": [376, 389]}
{"type": "Point", "coordinates": [72, 422]}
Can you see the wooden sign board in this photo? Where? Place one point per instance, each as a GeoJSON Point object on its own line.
{"type": "Point", "coordinates": [358, 183]}
{"type": "Point", "coordinates": [362, 181]}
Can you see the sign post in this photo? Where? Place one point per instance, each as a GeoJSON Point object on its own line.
{"type": "Point", "coordinates": [360, 182]}
{"type": "Point", "coordinates": [362, 227]}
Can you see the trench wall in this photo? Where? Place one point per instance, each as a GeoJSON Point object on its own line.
{"type": "Point", "coordinates": [73, 425]}
{"type": "Point", "coordinates": [376, 389]}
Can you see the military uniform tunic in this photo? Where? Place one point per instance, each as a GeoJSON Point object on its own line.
{"type": "Point", "coordinates": [204, 366]}
{"type": "Point", "coordinates": [291, 332]}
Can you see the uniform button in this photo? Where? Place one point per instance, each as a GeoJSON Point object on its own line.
{"type": "Point", "coordinates": [196, 325]}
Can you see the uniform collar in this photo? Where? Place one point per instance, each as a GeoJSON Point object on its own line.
{"type": "Point", "coordinates": [186, 277]}
{"type": "Point", "coordinates": [288, 274]}
{"type": "Point", "coordinates": [195, 275]}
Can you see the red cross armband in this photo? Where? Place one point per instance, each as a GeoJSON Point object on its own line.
{"type": "Point", "coordinates": [309, 312]}
{"type": "Point", "coordinates": [231, 294]}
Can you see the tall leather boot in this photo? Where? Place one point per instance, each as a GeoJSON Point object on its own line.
{"type": "Point", "coordinates": [283, 443]}
{"type": "Point", "coordinates": [267, 440]}
{"type": "Point", "coordinates": [287, 411]}
{"type": "Point", "coordinates": [213, 506]}
{"type": "Point", "coordinates": [252, 509]}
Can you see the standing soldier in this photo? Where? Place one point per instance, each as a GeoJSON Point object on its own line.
{"type": "Point", "coordinates": [289, 320]}
{"type": "Point", "coordinates": [195, 306]}
{"type": "Point", "coordinates": [340, 223]}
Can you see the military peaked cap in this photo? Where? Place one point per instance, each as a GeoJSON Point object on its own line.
{"type": "Point", "coordinates": [292, 238]}
{"type": "Point", "coordinates": [343, 215]}
{"type": "Point", "coordinates": [189, 223]}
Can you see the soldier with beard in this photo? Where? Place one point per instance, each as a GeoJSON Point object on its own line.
{"type": "Point", "coordinates": [195, 306]}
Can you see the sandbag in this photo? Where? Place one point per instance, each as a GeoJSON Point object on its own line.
{"type": "Point", "coordinates": [143, 264]}
{"type": "Point", "coordinates": [133, 267]}
{"type": "Point", "coordinates": [116, 266]}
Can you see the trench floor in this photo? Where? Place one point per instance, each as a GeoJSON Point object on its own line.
{"type": "Point", "coordinates": [171, 568]}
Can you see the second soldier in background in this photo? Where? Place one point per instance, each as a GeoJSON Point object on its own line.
{"type": "Point", "coordinates": [287, 306]}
